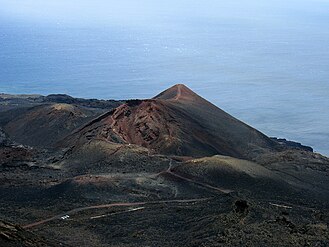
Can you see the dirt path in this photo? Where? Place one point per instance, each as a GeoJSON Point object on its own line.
{"type": "Point", "coordinates": [179, 93]}
{"type": "Point", "coordinates": [118, 204]}
{"type": "Point", "coordinates": [225, 191]}
{"type": "Point", "coordinates": [205, 185]}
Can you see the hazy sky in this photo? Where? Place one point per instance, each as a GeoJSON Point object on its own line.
{"type": "Point", "coordinates": [134, 12]}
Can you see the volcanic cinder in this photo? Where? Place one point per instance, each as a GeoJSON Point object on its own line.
{"type": "Point", "coordinates": [174, 170]}
{"type": "Point", "coordinates": [179, 122]}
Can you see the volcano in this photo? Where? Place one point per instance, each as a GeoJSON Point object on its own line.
{"type": "Point", "coordinates": [173, 170]}
{"type": "Point", "coordinates": [178, 122]}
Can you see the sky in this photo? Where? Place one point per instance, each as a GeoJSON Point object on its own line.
{"type": "Point", "coordinates": [84, 12]}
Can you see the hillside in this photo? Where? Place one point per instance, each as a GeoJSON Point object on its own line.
{"type": "Point", "coordinates": [174, 170]}
{"type": "Point", "coordinates": [178, 122]}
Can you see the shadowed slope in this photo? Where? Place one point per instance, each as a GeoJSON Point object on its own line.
{"type": "Point", "coordinates": [15, 236]}
{"type": "Point", "coordinates": [44, 125]}
{"type": "Point", "coordinates": [225, 133]}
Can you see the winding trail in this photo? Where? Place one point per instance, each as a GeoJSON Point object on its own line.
{"type": "Point", "coordinates": [221, 190]}
{"type": "Point", "coordinates": [127, 204]}
{"type": "Point", "coordinates": [121, 212]}
{"type": "Point", "coordinates": [117, 204]}
{"type": "Point", "coordinates": [190, 180]}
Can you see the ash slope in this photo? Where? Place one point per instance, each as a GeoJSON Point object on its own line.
{"type": "Point", "coordinates": [178, 122]}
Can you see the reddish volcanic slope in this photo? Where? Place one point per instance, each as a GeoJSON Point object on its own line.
{"type": "Point", "coordinates": [177, 122]}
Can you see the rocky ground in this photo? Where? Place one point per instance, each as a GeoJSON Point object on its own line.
{"type": "Point", "coordinates": [76, 172]}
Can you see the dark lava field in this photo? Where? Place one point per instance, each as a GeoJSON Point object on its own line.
{"type": "Point", "coordinates": [174, 170]}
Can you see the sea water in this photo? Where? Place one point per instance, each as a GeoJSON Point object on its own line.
{"type": "Point", "coordinates": [266, 63]}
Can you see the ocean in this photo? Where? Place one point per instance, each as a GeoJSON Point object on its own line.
{"type": "Point", "coordinates": [265, 63]}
